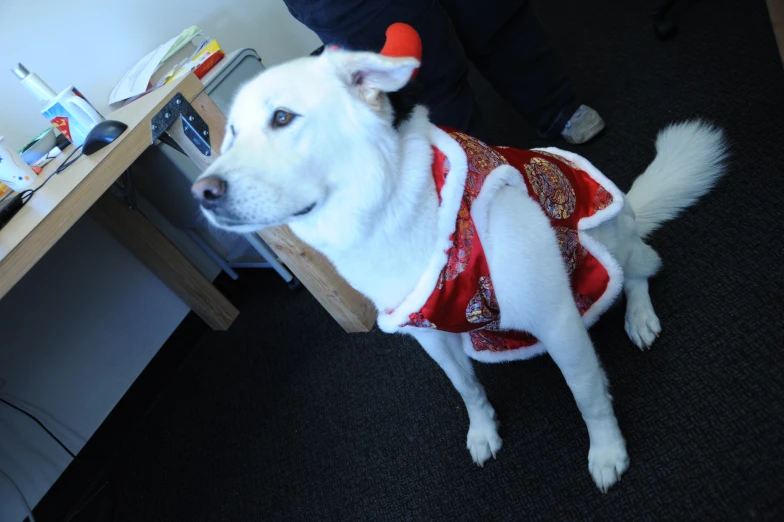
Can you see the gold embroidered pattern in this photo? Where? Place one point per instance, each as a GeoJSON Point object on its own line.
{"type": "Point", "coordinates": [552, 187]}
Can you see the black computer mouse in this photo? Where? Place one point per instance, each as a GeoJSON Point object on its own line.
{"type": "Point", "coordinates": [101, 135]}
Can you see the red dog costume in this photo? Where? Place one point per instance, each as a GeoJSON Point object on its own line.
{"type": "Point", "coordinates": [456, 292]}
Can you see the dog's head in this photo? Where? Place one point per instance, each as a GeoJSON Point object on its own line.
{"type": "Point", "coordinates": [304, 138]}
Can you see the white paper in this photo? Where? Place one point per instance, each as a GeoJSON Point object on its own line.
{"type": "Point", "coordinates": [136, 80]}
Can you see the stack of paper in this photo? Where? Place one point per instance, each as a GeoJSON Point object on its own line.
{"type": "Point", "coordinates": [180, 55]}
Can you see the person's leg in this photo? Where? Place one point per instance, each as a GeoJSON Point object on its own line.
{"type": "Point", "coordinates": [359, 25]}
{"type": "Point", "coordinates": [508, 45]}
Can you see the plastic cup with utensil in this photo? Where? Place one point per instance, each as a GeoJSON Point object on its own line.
{"type": "Point", "coordinates": [72, 115]}
{"type": "Point", "coordinates": [14, 172]}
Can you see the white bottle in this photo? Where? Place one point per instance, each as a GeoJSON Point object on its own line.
{"type": "Point", "coordinates": [42, 92]}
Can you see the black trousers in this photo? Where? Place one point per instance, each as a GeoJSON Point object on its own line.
{"type": "Point", "coordinates": [502, 38]}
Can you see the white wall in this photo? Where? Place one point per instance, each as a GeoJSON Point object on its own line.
{"type": "Point", "coordinates": [94, 55]}
{"type": "Point", "coordinates": [74, 356]}
{"type": "Point", "coordinates": [71, 346]}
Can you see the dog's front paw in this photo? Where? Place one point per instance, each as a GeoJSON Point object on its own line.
{"type": "Point", "coordinates": [483, 441]}
{"type": "Point", "coordinates": [607, 463]}
{"type": "Point", "coordinates": [642, 325]}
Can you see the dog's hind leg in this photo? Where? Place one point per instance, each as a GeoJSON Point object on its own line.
{"type": "Point", "coordinates": [534, 295]}
{"type": "Point", "coordinates": [446, 349]}
{"type": "Point", "coordinates": [642, 325]}
{"type": "Point", "coordinates": [639, 263]}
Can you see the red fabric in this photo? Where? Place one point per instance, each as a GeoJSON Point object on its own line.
{"type": "Point", "coordinates": [403, 41]}
{"type": "Point", "coordinates": [440, 166]}
{"type": "Point", "coordinates": [464, 298]}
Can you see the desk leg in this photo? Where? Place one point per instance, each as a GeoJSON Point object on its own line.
{"type": "Point", "coordinates": [776, 12]}
{"type": "Point", "coordinates": [348, 307]}
{"type": "Point", "coordinates": [164, 259]}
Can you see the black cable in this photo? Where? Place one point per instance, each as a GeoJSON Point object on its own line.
{"type": "Point", "coordinates": [58, 441]}
{"type": "Point", "coordinates": [86, 503]}
{"type": "Point", "coordinates": [21, 495]}
{"type": "Point", "coordinates": [27, 194]}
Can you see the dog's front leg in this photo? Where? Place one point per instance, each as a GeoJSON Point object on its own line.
{"type": "Point", "coordinates": [568, 344]}
{"type": "Point", "coordinates": [447, 350]}
{"type": "Point", "coordinates": [534, 295]}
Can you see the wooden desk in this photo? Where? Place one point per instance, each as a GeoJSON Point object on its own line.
{"type": "Point", "coordinates": [83, 187]}
{"type": "Point", "coordinates": [69, 195]}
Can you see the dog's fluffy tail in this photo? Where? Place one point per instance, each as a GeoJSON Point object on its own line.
{"type": "Point", "coordinates": [690, 158]}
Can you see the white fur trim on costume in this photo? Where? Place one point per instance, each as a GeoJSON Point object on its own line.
{"type": "Point", "coordinates": [451, 196]}
{"type": "Point", "coordinates": [614, 271]}
{"type": "Point", "coordinates": [486, 356]}
{"type": "Point", "coordinates": [606, 213]}
{"type": "Point", "coordinates": [594, 247]}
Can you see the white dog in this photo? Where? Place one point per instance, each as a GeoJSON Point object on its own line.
{"type": "Point", "coordinates": [315, 143]}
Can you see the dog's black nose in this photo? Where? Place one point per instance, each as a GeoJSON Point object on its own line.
{"type": "Point", "coordinates": [209, 190]}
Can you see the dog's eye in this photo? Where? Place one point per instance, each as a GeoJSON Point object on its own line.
{"type": "Point", "coordinates": [281, 118]}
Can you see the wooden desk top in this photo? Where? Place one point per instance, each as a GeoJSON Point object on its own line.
{"type": "Point", "coordinates": [56, 207]}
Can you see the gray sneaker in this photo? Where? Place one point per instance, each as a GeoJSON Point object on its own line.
{"type": "Point", "coordinates": [584, 125]}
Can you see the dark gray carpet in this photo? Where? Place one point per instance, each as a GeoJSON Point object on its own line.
{"type": "Point", "coordinates": [286, 417]}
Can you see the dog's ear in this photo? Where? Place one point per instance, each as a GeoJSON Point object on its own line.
{"type": "Point", "coordinates": [370, 74]}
